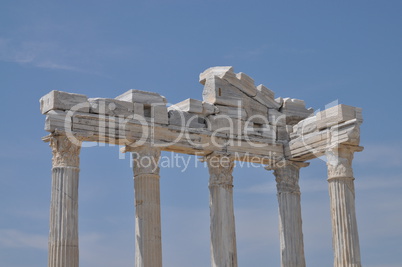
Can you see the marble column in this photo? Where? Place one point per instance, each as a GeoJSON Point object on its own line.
{"type": "Point", "coordinates": [345, 238]}
{"type": "Point", "coordinates": [223, 233]}
{"type": "Point", "coordinates": [290, 218]}
{"type": "Point", "coordinates": [63, 234]}
{"type": "Point", "coordinates": [148, 239]}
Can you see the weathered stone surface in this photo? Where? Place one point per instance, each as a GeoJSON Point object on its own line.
{"type": "Point", "coordinates": [139, 109]}
{"type": "Point", "coordinates": [144, 97]}
{"type": "Point", "coordinates": [295, 110]}
{"type": "Point", "coordinates": [347, 133]}
{"type": "Point", "coordinates": [279, 100]}
{"type": "Point", "coordinates": [186, 119]}
{"type": "Point", "coordinates": [219, 91]}
{"type": "Point", "coordinates": [276, 117]}
{"type": "Point", "coordinates": [224, 123]}
{"type": "Point", "coordinates": [111, 107]}
{"type": "Point", "coordinates": [57, 120]}
{"type": "Point", "coordinates": [262, 130]}
{"type": "Point", "coordinates": [208, 109]}
{"type": "Point", "coordinates": [232, 112]}
{"type": "Point", "coordinates": [159, 114]}
{"type": "Point", "coordinates": [148, 229]}
{"type": "Point", "coordinates": [223, 231]}
{"type": "Point", "coordinates": [58, 100]}
{"type": "Point", "coordinates": [290, 219]}
{"type": "Point", "coordinates": [63, 234]}
{"type": "Point", "coordinates": [215, 71]}
{"type": "Point", "coordinates": [247, 84]}
{"type": "Point", "coordinates": [240, 81]}
{"type": "Point", "coordinates": [343, 212]}
{"type": "Point", "coordinates": [266, 92]}
{"type": "Point", "coordinates": [189, 105]}
{"type": "Point", "coordinates": [282, 133]}
{"type": "Point", "coordinates": [337, 114]}
{"type": "Point", "coordinates": [306, 126]}
{"type": "Point", "coordinates": [266, 97]}
{"type": "Point", "coordinates": [255, 111]}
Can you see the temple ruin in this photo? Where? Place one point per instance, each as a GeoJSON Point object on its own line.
{"type": "Point", "coordinates": [235, 121]}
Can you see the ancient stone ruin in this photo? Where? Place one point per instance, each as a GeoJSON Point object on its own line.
{"type": "Point", "coordinates": [235, 121]}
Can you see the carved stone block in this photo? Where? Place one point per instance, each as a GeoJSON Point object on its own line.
{"type": "Point", "coordinates": [186, 119]}
{"type": "Point", "coordinates": [336, 115]}
{"type": "Point", "coordinates": [113, 107]}
{"type": "Point", "coordinates": [58, 100]}
{"type": "Point", "coordinates": [142, 97]}
{"type": "Point", "coordinates": [189, 105]}
{"type": "Point", "coordinates": [295, 110]}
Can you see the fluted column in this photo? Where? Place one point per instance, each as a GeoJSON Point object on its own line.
{"type": "Point", "coordinates": [290, 218]}
{"type": "Point", "coordinates": [148, 239]}
{"type": "Point", "coordinates": [345, 238]}
{"type": "Point", "coordinates": [63, 234]}
{"type": "Point", "coordinates": [223, 233]}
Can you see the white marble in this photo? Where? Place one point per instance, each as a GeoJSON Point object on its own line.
{"type": "Point", "coordinates": [234, 117]}
{"type": "Point", "coordinates": [58, 100]}
{"type": "Point", "coordinates": [345, 237]}
{"type": "Point", "coordinates": [143, 97]}
{"type": "Point", "coordinates": [113, 107]}
{"type": "Point", "coordinates": [148, 233]}
{"type": "Point", "coordinates": [290, 217]}
{"type": "Point", "coordinates": [63, 234]}
{"type": "Point", "coordinates": [223, 232]}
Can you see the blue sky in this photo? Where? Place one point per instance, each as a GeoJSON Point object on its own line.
{"type": "Point", "coordinates": [318, 51]}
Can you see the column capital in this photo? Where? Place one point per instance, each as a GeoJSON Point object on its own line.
{"type": "Point", "coordinates": [286, 164]}
{"type": "Point", "coordinates": [339, 161]}
{"type": "Point", "coordinates": [65, 151]}
{"type": "Point", "coordinates": [146, 159]}
{"type": "Point", "coordinates": [220, 167]}
{"type": "Point", "coordinates": [287, 175]}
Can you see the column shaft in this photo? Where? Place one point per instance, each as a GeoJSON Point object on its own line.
{"type": "Point", "coordinates": [63, 234]}
{"type": "Point", "coordinates": [290, 218]}
{"type": "Point", "coordinates": [148, 237]}
{"type": "Point", "coordinates": [223, 233]}
{"type": "Point", "coordinates": [345, 238]}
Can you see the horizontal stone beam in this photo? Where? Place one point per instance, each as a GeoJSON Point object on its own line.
{"type": "Point", "coordinates": [311, 137]}
{"type": "Point", "coordinates": [135, 131]}
{"type": "Point", "coordinates": [235, 117]}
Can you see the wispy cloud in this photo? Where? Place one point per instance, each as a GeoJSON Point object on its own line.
{"type": "Point", "coordinates": [379, 182]}
{"type": "Point", "coordinates": [12, 238]}
{"type": "Point", "coordinates": [307, 186]}
{"type": "Point", "coordinates": [265, 49]}
{"type": "Point", "coordinates": [365, 182]}
{"type": "Point", "coordinates": [382, 155]}
{"type": "Point", "coordinates": [247, 54]}
{"type": "Point", "coordinates": [39, 54]}
{"type": "Point", "coordinates": [106, 249]}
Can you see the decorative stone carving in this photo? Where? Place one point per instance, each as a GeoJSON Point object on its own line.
{"type": "Point", "coordinates": [220, 170]}
{"type": "Point", "coordinates": [63, 230]}
{"type": "Point", "coordinates": [290, 219]}
{"type": "Point", "coordinates": [339, 161]}
{"type": "Point", "coordinates": [223, 232]}
{"type": "Point", "coordinates": [235, 117]}
{"type": "Point", "coordinates": [145, 159]}
{"type": "Point", "coordinates": [65, 153]}
{"type": "Point", "coordinates": [148, 236]}
{"type": "Point", "coordinates": [345, 236]}
{"type": "Point", "coordinates": [287, 176]}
